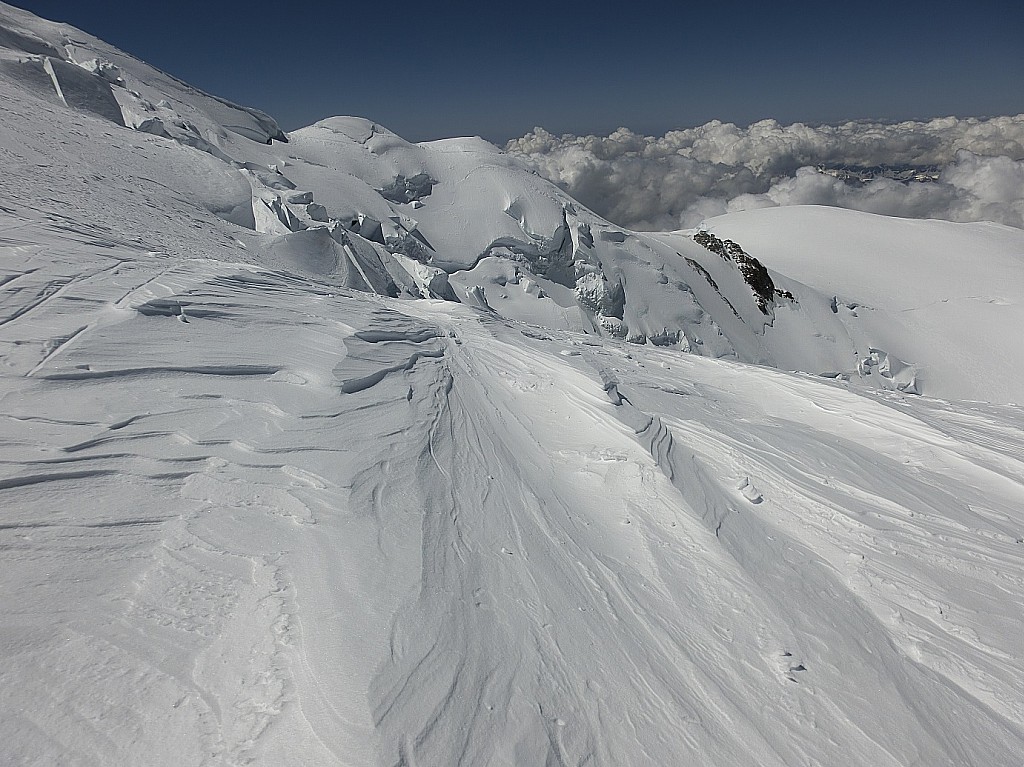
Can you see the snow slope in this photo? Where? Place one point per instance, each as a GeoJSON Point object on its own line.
{"type": "Point", "coordinates": [949, 297]}
{"type": "Point", "coordinates": [259, 506]}
{"type": "Point", "coordinates": [396, 218]}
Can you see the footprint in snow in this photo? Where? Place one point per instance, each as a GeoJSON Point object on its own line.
{"type": "Point", "coordinates": [748, 490]}
{"type": "Point", "coordinates": [791, 668]}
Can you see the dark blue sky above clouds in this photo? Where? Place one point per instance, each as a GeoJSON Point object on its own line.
{"type": "Point", "coordinates": [434, 69]}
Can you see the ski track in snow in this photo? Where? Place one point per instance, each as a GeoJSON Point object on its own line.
{"type": "Point", "coordinates": [416, 533]}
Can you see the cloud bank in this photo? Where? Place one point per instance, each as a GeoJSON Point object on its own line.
{"type": "Point", "coordinates": [677, 180]}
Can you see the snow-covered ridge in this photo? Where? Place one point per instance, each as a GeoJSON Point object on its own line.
{"type": "Point", "coordinates": [348, 201]}
{"type": "Point", "coordinates": [250, 517]}
{"type": "Point", "coordinates": [353, 451]}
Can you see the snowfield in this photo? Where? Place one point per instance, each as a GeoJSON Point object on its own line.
{"type": "Point", "coordinates": [948, 296]}
{"type": "Point", "coordinates": [341, 450]}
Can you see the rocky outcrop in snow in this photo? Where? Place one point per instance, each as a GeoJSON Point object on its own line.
{"type": "Point", "coordinates": [753, 271]}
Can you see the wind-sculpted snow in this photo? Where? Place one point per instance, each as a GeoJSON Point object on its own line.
{"type": "Point", "coordinates": [348, 202]}
{"type": "Point", "coordinates": [371, 355]}
{"type": "Point", "coordinates": [308, 525]}
{"type": "Point", "coordinates": [354, 451]}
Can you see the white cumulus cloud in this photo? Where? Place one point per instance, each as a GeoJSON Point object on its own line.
{"type": "Point", "coordinates": [676, 180]}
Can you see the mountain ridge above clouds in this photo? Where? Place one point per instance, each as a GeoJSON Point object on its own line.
{"type": "Point", "coordinates": [349, 201]}
{"type": "Point", "coordinates": [678, 179]}
{"type": "Point", "coordinates": [349, 450]}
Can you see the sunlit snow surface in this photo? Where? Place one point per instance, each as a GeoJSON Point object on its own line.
{"type": "Point", "coordinates": [251, 516]}
{"type": "Point", "coordinates": [507, 543]}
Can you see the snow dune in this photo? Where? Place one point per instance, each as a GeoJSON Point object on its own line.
{"type": "Point", "coordinates": [268, 499]}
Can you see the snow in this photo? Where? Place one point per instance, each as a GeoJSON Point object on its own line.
{"type": "Point", "coordinates": [430, 478]}
{"type": "Point", "coordinates": [945, 296]}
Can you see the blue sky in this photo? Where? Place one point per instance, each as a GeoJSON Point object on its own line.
{"type": "Point", "coordinates": [435, 69]}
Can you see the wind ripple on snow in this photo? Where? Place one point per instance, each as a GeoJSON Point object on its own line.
{"type": "Point", "coordinates": [374, 354]}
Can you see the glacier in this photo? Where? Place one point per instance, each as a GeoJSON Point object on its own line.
{"type": "Point", "coordinates": [331, 448]}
